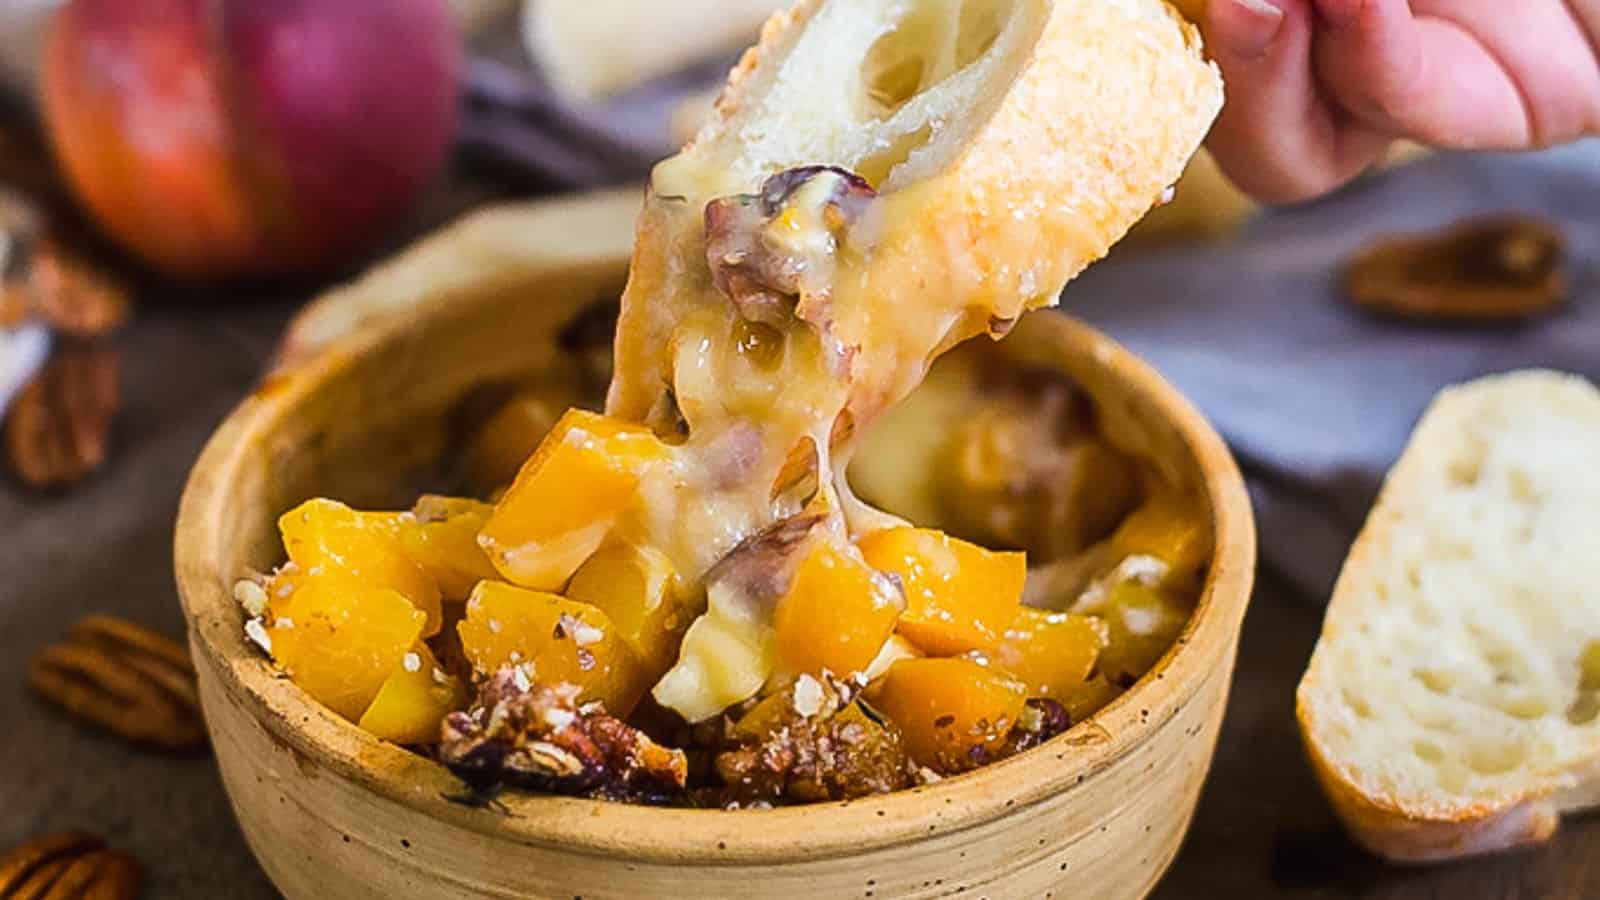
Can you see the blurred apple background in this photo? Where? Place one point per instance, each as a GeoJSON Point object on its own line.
{"type": "Point", "coordinates": [236, 153]}
{"type": "Point", "coordinates": [303, 133]}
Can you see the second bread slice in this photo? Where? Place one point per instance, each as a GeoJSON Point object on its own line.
{"type": "Point", "coordinates": [1452, 706]}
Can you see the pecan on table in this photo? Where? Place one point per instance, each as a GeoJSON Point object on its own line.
{"type": "Point", "coordinates": [1499, 268]}
{"type": "Point", "coordinates": [72, 295]}
{"type": "Point", "coordinates": [536, 736]}
{"type": "Point", "coordinates": [69, 866]}
{"type": "Point", "coordinates": [58, 429]}
{"type": "Point", "coordinates": [42, 278]}
{"type": "Point", "coordinates": [125, 679]}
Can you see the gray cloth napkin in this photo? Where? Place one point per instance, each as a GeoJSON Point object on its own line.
{"type": "Point", "coordinates": [1317, 399]}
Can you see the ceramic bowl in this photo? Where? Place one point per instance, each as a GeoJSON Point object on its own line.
{"type": "Point", "coordinates": [333, 813]}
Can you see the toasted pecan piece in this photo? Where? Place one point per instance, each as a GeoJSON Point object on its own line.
{"type": "Point", "coordinates": [42, 278]}
{"type": "Point", "coordinates": [74, 296]}
{"type": "Point", "coordinates": [58, 429]}
{"type": "Point", "coordinates": [536, 736]}
{"type": "Point", "coordinates": [835, 748]}
{"type": "Point", "coordinates": [125, 679]}
{"type": "Point", "coordinates": [1489, 269]}
{"type": "Point", "coordinates": [68, 866]}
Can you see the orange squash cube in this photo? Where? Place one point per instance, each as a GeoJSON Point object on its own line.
{"type": "Point", "coordinates": [1169, 528]}
{"type": "Point", "coordinates": [441, 535]}
{"type": "Point", "coordinates": [949, 710]}
{"type": "Point", "coordinates": [557, 640]}
{"type": "Point", "coordinates": [638, 590]}
{"type": "Point", "coordinates": [1143, 621]}
{"type": "Point", "coordinates": [414, 700]}
{"type": "Point", "coordinates": [837, 614]}
{"type": "Point", "coordinates": [512, 435]}
{"type": "Point", "coordinates": [1090, 698]}
{"type": "Point", "coordinates": [341, 644]}
{"type": "Point", "coordinates": [356, 551]}
{"type": "Point", "coordinates": [566, 499]}
{"type": "Point", "coordinates": [1051, 653]}
{"type": "Point", "coordinates": [959, 596]}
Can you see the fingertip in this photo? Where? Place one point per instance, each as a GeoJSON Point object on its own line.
{"type": "Point", "coordinates": [1345, 13]}
{"type": "Point", "coordinates": [1243, 30]}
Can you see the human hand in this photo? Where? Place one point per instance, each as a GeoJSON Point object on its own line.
{"type": "Point", "coordinates": [1319, 89]}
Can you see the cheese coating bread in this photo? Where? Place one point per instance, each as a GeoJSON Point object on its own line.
{"type": "Point", "coordinates": [1013, 142]}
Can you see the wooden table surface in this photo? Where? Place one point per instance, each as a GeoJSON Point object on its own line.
{"type": "Point", "coordinates": [1263, 829]}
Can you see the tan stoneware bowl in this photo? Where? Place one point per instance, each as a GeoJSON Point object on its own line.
{"type": "Point", "coordinates": [333, 813]}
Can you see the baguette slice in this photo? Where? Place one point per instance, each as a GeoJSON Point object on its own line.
{"type": "Point", "coordinates": [881, 180]}
{"type": "Point", "coordinates": [1012, 142]}
{"type": "Point", "coordinates": [1452, 706]}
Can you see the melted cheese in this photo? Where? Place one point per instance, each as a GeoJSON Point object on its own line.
{"type": "Point", "coordinates": [749, 404]}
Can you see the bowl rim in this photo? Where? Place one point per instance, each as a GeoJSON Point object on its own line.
{"type": "Point", "coordinates": [711, 836]}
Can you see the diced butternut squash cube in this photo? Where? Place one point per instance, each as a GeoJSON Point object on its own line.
{"type": "Point", "coordinates": [638, 590]}
{"type": "Point", "coordinates": [836, 615]}
{"type": "Point", "coordinates": [441, 536]}
{"type": "Point", "coordinates": [1144, 620]}
{"type": "Point", "coordinates": [1170, 528]}
{"type": "Point", "coordinates": [1051, 653]}
{"type": "Point", "coordinates": [566, 499]}
{"type": "Point", "coordinates": [959, 596]}
{"type": "Point", "coordinates": [949, 710]}
{"type": "Point", "coordinates": [356, 551]}
{"type": "Point", "coordinates": [341, 644]}
{"type": "Point", "coordinates": [512, 435]}
{"type": "Point", "coordinates": [556, 639]}
{"type": "Point", "coordinates": [1090, 698]}
{"type": "Point", "coordinates": [414, 700]}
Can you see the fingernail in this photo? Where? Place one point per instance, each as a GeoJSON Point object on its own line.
{"type": "Point", "coordinates": [1247, 28]}
{"type": "Point", "coordinates": [1343, 13]}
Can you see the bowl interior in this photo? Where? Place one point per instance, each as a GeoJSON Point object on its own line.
{"type": "Point", "coordinates": [369, 422]}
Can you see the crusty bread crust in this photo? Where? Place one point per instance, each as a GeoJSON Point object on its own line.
{"type": "Point", "coordinates": [1385, 828]}
{"type": "Point", "coordinates": [1431, 825]}
{"type": "Point", "coordinates": [1114, 101]}
{"type": "Point", "coordinates": [1102, 115]}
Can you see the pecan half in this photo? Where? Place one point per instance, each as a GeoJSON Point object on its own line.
{"type": "Point", "coordinates": [41, 278]}
{"type": "Point", "coordinates": [69, 866]}
{"type": "Point", "coordinates": [74, 296]}
{"type": "Point", "coordinates": [770, 252]}
{"type": "Point", "coordinates": [760, 568]}
{"type": "Point", "coordinates": [1495, 268]}
{"type": "Point", "coordinates": [537, 737]}
{"type": "Point", "coordinates": [58, 429]}
{"type": "Point", "coordinates": [125, 679]}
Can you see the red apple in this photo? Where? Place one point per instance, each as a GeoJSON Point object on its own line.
{"type": "Point", "coordinates": [220, 137]}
